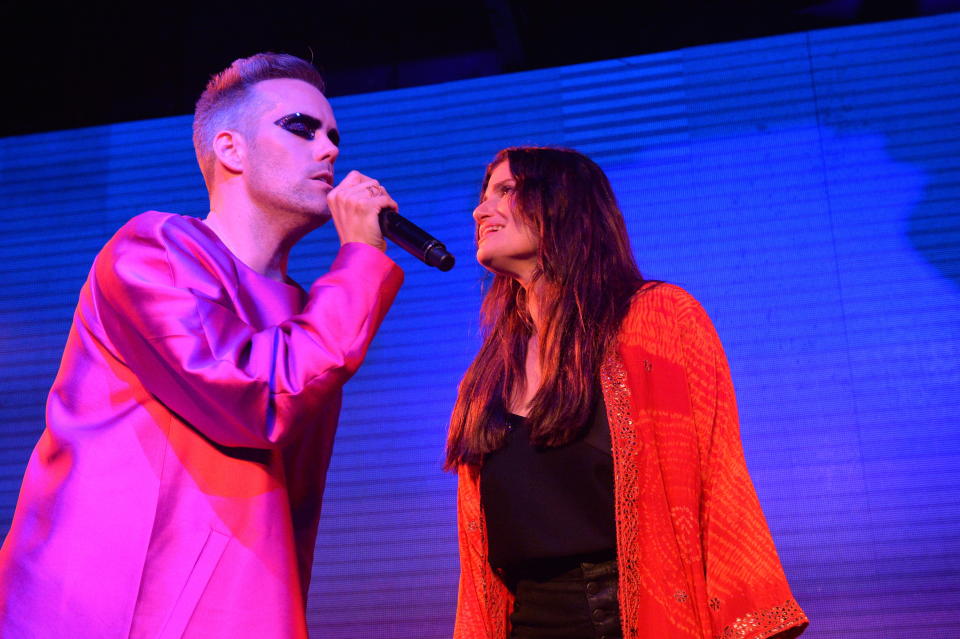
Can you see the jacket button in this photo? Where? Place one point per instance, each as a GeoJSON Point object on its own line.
{"type": "Point", "coordinates": [593, 588]}
{"type": "Point", "coordinates": [599, 615]}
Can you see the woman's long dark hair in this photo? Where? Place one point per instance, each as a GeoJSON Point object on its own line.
{"type": "Point", "coordinates": [586, 276]}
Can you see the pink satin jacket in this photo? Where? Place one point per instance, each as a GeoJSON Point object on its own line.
{"type": "Point", "coordinates": [176, 489]}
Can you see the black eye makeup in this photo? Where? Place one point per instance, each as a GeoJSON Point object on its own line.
{"type": "Point", "coordinates": [305, 126]}
{"type": "Point", "coordinates": [334, 136]}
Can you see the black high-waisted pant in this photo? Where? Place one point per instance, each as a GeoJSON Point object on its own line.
{"type": "Point", "coordinates": [580, 603]}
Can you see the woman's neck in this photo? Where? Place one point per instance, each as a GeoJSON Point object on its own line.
{"type": "Point", "coordinates": [533, 291]}
{"type": "Point", "coordinates": [520, 401]}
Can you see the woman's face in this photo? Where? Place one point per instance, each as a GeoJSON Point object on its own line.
{"type": "Point", "coordinates": [505, 245]}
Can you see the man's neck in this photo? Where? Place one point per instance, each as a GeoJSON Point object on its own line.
{"type": "Point", "coordinates": [263, 246]}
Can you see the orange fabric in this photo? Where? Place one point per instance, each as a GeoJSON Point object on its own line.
{"type": "Point", "coordinates": [695, 554]}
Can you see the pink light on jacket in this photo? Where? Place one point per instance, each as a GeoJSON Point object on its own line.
{"type": "Point", "coordinates": [176, 489]}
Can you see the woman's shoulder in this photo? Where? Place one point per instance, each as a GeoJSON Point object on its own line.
{"type": "Point", "coordinates": [662, 297]}
{"type": "Point", "coordinates": [658, 308]}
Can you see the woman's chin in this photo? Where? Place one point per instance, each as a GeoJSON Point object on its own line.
{"type": "Point", "coordinates": [486, 260]}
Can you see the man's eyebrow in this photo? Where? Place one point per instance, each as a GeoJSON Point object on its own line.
{"type": "Point", "coordinates": [313, 122]}
{"type": "Point", "coordinates": [300, 115]}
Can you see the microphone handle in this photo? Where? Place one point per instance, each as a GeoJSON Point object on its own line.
{"type": "Point", "coordinates": [414, 240]}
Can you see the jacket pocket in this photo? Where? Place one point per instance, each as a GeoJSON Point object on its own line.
{"type": "Point", "coordinates": [196, 583]}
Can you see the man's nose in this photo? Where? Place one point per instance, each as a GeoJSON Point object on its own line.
{"type": "Point", "coordinates": [324, 149]}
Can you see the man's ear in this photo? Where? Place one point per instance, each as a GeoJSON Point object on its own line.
{"type": "Point", "coordinates": [231, 150]}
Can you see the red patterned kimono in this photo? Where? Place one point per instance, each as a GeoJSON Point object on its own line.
{"type": "Point", "coordinates": [694, 551]}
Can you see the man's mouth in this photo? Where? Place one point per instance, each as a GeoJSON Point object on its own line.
{"type": "Point", "coordinates": [324, 177]}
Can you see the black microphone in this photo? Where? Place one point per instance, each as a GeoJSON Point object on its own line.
{"type": "Point", "coordinates": [414, 240]}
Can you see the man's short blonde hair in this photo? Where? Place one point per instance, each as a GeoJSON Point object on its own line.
{"type": "Point", "coordinates": [228, 102]}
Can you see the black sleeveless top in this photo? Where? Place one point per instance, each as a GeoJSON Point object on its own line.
{"type": "Point", "coordinates": [544, 505]}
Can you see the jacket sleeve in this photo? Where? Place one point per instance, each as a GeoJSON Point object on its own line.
{"type": "Point", "coordinates": [483, 600]}
{"type": "Point", "coordinates": [158, 296]}
{"type": "Point", "coordinates": [748, 595]}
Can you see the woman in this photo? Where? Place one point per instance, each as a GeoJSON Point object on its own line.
{"type": "Point", "coordinates": [602, 486]}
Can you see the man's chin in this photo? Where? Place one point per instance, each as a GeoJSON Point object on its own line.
{"type": "Point", "coordinates": [317, 212]}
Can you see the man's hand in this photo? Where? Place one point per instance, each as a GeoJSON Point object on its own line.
{"type": "Point", "coordinates": [354, 205]}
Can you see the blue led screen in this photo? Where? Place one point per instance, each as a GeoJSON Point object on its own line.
{"type": "Point", "coordinates": [806, 188]}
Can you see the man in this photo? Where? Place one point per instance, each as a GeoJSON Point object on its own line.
{"type": "Point", "coordinates": [176, 489]}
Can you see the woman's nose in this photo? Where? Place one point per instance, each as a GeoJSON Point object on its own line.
{"type": "Point", "coordinates": [482, 211]}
